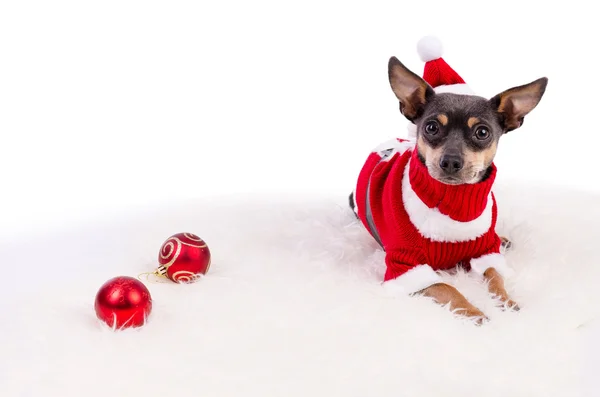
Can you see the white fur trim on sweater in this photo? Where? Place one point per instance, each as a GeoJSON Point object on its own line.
{"type": "Point", "coordinates": [414, 280]}
{"type": "Point", "coordinates": [497, 261]}
{"type": "Point", "coordinates": [454, 89]}
{"type": "Point", "coordinates": [434, 225]}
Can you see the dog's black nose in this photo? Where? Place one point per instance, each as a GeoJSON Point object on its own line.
{"type": "Point", "coordinates": [451, 163]}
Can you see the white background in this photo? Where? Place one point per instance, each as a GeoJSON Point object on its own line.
{"type": "Point", "coordinates": [116, 105]}
{"type": "Point", "coordinates": [111, 104]}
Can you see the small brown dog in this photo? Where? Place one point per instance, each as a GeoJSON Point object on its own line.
{"type": "Point", "coordinates": [428, 201]}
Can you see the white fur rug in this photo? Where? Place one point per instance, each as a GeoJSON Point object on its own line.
{"type": "Point", "coordinates": [292, 306]}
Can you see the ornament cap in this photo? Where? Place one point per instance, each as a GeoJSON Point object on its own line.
{"type": "Point", "coordinates": [161, 270]}
{"type": "Point", "coordinates": [160, 273]}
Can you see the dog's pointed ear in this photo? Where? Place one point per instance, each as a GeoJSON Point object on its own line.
{"type": "Point", "coordinates": [514, 104]}
{"type": "Point", "coordinates": [412, 91]}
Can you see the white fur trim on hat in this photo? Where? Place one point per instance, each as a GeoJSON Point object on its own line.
{"type": "Point", "coordinates": [454, 89]}
{"type": "Point", "coordinates": [429, 48]}
{"type": "Point", "coordinates": [414, 280]}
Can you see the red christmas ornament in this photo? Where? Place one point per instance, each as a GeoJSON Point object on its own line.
{"type": "Point", "coordinates": [183, 258]}
{"type": "Point", "coordinates": [123, 302]}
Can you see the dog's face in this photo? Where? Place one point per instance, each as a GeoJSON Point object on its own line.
{"type": "Point", "coordinates": [457, 135]}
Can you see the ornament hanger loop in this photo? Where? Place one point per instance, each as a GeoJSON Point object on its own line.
{"type": "Point", "coordinates": [158, 277]}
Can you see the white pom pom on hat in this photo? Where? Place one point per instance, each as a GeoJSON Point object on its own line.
{"type": "Point", "coordinates": [429, 48]}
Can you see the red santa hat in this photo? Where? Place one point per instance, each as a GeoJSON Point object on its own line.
{"type": "Point", "coordinates": [437, 73]}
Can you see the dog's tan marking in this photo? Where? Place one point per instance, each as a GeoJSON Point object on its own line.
{"type": "Point", "coordinates": [489, 153]}
{"type": "Point", "coordinates": [443, 119]}
{"type": "Point", "coordinates": [480, 160]}
{"type": "Point", "coordinates": [430, 154]}
{"type": "Point", "coordinates": [496, 287]}
{"type": "Point", "coordinates": [472, 121]}
{"type": "Point", "coordinates": [423, 147]}
{"type": "Point", "coordinates": [475, 159]}
{"type": "Point", "coordinates": [445, 294]}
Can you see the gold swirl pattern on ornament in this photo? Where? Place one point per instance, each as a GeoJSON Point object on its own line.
{"type": "Point", "coordinates": [184, 276]}
{"type": "Point", "coordinates": [171, 247]}
{"type": "Point", "coordinates": [194, 245]}
{"type": "Point", "coordinates": [194, 238]}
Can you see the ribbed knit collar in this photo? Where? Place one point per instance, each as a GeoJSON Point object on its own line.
{"type": "Point", "coordinates": [460, 202]}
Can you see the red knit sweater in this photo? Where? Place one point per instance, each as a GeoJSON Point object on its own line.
{"type": "Point", "coordinates": [425, 225]}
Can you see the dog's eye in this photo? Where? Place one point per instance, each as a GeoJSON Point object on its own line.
{"type": "Point", "coordinates": [482, 133]}
{"type": "Point", "coordinates": [432, 128]}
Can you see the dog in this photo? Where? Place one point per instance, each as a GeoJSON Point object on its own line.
{"type": "Point", "coordinates": [428, 200]}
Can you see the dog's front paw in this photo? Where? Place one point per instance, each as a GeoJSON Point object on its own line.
{"type": "Point", "coordinates": [510, 304]}
{"type": "Point", "coordinates": [459, 305]}
{"type": "Point", "coordinates": [473, 313]}
{"type": "Point", "coordinates": [505, 303]}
